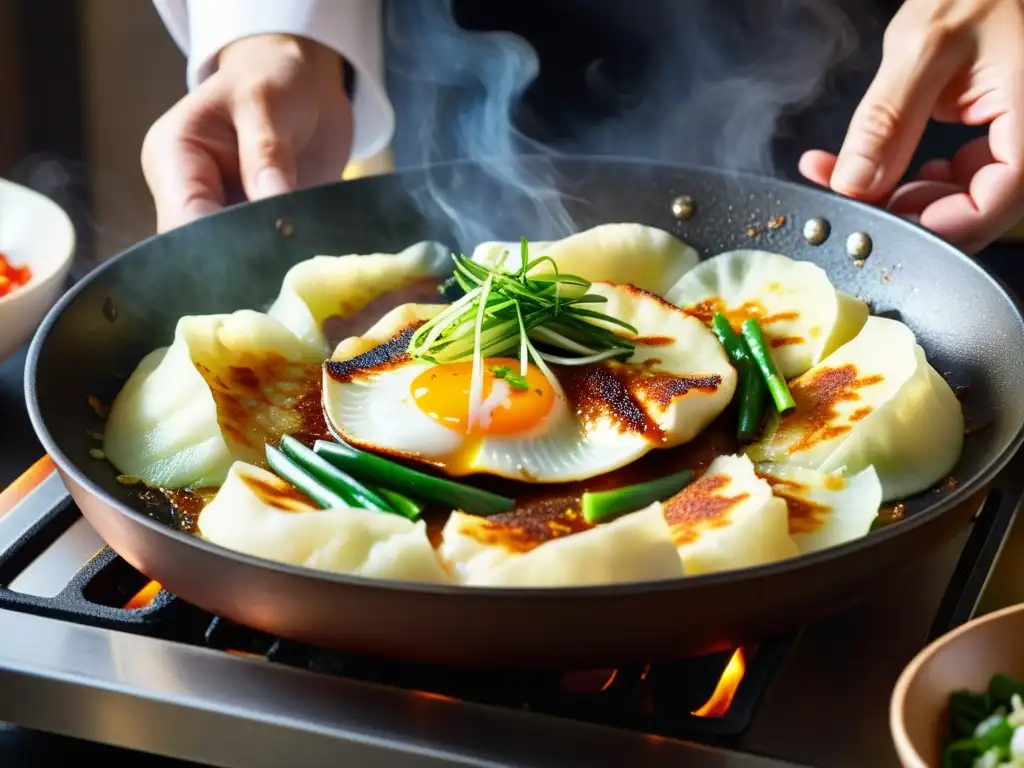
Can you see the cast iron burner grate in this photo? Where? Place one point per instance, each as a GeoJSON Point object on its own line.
{"type": "Point", "coordinates": [660, 699]}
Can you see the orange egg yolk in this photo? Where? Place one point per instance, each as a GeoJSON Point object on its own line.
{"type": "Point", "coordinates": [442, 393]}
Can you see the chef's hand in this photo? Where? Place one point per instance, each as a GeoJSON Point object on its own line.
{"type": "Point", "coordinates": [957, 61]}
{"type": "Point", "coordinates": [274, 117]}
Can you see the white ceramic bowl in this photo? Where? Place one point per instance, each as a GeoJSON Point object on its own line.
{"type": "Point", "coordinates": [35, 231]}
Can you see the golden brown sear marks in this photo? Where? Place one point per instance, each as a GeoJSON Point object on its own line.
{"type": "Point", "coordinates": [279, 494]}
{"type": "Point", "coordinates": [705, 311]}
{"type": "Point", "coordinates": [522, 530]}
{"type": "Point", "coordinates": [383, 357]}
{"type": "Point", "coordinates": [699, 507]}
{"type": "Point", "coordinates": [261, 398]}
{"type": "Point", "coordinates": [653, 341]}
{"type": "Point", "coordinates": [622, 394]}
{"type": "Point", "coordinates": [805, 515]}
{"type": "Point", "coordinates": [816, 416]}
{"type": "Point", "coordinates": [786, 341]}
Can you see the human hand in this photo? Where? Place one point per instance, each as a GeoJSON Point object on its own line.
{"type": "Point", "coordinates": [957, 61]}
{"type": "Point", "coordinates": [273, 117]}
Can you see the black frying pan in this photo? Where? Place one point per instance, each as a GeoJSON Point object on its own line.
{"type": "Point", "coordinates": [970, 328]}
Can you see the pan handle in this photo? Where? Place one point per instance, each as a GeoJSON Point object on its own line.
{"type": "Point", "coordinates": [981, 552]}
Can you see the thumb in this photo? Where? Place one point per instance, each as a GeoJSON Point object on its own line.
{"type": "Point", "coordinates": [266, 152]}
{"type": "Point", "coordinates": [892, 116]}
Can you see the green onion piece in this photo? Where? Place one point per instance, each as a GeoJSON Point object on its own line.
{"type": "Point", "coordinates": [750, 386]}
{"type": "Point", "coordinates": [762, 355]}
{"type": "Point", "coordinates": [374, 469]}
{"type": "Point", "coordinates": [602, 506]}
{"type": "Point", "coordinates": [288, 470]}
{"type": "Point", "coordinates": [403, 505]}
{"type": "Point", "coordinates": [752, 402]}
{"type": "Point", "coordinates": [332, 477]}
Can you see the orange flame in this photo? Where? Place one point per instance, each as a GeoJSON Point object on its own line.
{"type": "Point", "coordinates": [725, 691]}
{"type": "Point", "coordinates": [143, 597]}
{"type": "Point", "coordinates": [24, 485]}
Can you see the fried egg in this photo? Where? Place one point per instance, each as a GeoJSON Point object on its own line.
{"type": "Point", "coordinates": [802, 315]}
{"type": "Point", "coordinates": [624, 254]}
{"type": "Point", "coordinates": [258, 514]}
{"type": "Point", "coordinates": [876, 401]}
{"type": "Point", "coordinates": [728, 519]}
{"type": "Point", "coordinates": [513, 552]}
{"type": "Point", "coordinates": [590, 420]}
{"type": "Point", "coordinates": [824, 510]}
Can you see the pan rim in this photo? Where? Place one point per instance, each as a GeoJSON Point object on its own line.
{"type": "Point", "coordinates": [963, 491]}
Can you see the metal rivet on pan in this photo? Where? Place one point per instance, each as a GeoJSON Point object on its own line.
{"type": "Point", "coordinates": [858, 245]}
{"type": "Point", "coordinates": [816, 231]}
{"type": "Point", "coordinates": [683, 207]}
{"type": "Point", "coordinates": [284, 227]}
{"type": "Point", "coordinates": [109, 310]}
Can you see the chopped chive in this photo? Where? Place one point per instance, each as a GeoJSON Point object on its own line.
{"type": "Point", "coordinates": [332, 477]}
{"type": "Point", "coordinates": [419, 485]}
{"type": "Point", "coordinates": [602, 506]}
{"type": "Point", "coordinates": [762, 355]}
{"type": "Point", "coordinates": [288, 470]}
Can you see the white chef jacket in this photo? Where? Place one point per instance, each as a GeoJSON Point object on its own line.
{"type": "Point", "coordinates": [201, 28]}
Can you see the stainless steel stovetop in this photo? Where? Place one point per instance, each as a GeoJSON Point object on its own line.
{"type": "Point", "coordinates": [220, 702]}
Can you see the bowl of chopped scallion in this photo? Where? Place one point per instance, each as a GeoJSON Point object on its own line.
{"type": "Point", "coordinates": [960, 702]}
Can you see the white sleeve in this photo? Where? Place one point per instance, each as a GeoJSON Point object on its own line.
{"type": "Point", "coordinates": [201, 28]}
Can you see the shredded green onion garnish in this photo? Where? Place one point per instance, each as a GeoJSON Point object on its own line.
{"type": "Point", "coordinates": [503, 313]}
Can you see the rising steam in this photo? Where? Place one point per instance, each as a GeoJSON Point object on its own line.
{"type": "Point", "coordinates": [717, 79]}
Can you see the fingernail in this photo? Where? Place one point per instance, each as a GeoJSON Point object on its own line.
{"type": "Point", "coordinates": [855, 173]}
{"type": "Point", "coordinates": [271, 181]}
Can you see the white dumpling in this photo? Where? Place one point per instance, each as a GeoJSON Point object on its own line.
{"type": "Point", "coordinates": [635, 547]}
{"type": "Point", "coordinates": [258, 514]}
{"type": "Point", "coordinates": [326, 286]}
{"type": "Point", "coordinates": [627, 254]}
{"type": "Point", "coordinates": [875, 401]}
{"type": "Point", "coordinates": [189, 410]}
{"type": "Point", "coordinates": [728, 519]}
{"type": "Point", "coordinates": [803, 316]}
{"type": "Point", "coordinates": [824, 510]}
{"type": "Point", "coordinates": [229, 383]}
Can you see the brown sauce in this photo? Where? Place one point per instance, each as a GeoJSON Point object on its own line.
{"type": "Point", "coordinates": [542, 512]}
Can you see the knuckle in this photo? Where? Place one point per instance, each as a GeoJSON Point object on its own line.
{"type": "Point", "coordinates": [879, 122]}
{"type": "Point", "coordinates": [268, 147]}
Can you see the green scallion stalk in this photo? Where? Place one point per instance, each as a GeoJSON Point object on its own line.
{"type": "Point", "coordinates": [602, 506]}
{"type": "Point", "coordinates": [332, 477]}
{"type": "Point", "coordinates": [419, 485]}
{"type": "Point", "coordinates": [750, 387]}
{"type": "Point", "coordinates": [762, 355]}
{"type": "Point", "coordinates": [288, 470]}
{"type": "Point", "coordinates": [402, 504]}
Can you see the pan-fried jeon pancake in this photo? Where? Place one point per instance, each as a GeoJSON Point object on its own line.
{"type": "Point", "coordinates": [590, 420]}
{"type": "Point", "coordinates": [801, 314]}
{"type": "Point", "coordinates": [824, 510]}
{"type": "Point", "coordinates": [258, 514]}
{"type": "Point", "coordinates": [728, 519]}
{"type": "Point", "coordinates": [873, 402]}
{"type": "Point", "coordinates": [513, 551]}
